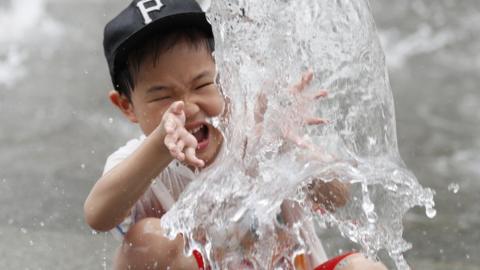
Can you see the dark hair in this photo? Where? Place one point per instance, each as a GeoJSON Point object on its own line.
{"type": "Point", "coordinates": [154, 46]}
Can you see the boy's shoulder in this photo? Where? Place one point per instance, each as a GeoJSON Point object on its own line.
{"type": "Point", "coordinates": [123, 152]}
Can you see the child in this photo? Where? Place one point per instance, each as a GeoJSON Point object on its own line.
{"type": "Point", "coordinates": [160, 59]}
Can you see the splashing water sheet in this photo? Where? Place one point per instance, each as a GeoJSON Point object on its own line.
{"type": "Point", "coordinates": [231, 212]}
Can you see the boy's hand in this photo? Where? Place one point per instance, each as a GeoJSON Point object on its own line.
{"type": "Point", "coordinates": [301, 108]}
{"type": "Point", "coordinates": [178, 140]}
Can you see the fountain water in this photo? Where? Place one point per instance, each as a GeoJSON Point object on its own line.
{"type": "Point", "coordinates": [262, 48]}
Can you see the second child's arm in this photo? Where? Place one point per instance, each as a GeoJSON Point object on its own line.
{"type": "Point", "coordinates": [115, 193]}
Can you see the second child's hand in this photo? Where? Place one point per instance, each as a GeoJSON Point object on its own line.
{"type": "Point", "coordinates": [179, 142]}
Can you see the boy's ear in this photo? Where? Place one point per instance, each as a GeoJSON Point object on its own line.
{"type": "Point", "coordinates": [123, 104]}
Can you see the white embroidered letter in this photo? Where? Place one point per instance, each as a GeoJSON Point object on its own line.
{"type": "Point", "coordinates": [144, 10]}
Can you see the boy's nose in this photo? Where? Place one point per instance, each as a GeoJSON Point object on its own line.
{"type": "Point", "coordinates": [191, 109]}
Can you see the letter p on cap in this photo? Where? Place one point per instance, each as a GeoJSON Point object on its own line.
{"type": "Point", "coordinates": [146, 10]}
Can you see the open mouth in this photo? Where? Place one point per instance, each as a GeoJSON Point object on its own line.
{"type": "Point", "coordinates": [200, 133]}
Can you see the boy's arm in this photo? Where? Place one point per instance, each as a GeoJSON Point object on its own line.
{"type": "Point", "coordinates": [114, 194]}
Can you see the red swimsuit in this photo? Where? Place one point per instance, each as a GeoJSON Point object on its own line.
{"type": "Point", "coordinates": [328, 265]}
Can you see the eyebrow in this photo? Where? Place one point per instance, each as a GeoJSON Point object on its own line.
{"type": "Point", "coordinates": [156, 88]}
{"type": "Point", "coordinates": [201, 75]}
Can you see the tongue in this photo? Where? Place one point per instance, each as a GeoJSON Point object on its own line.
{"type": "Point", "coordinates": [201, 134]}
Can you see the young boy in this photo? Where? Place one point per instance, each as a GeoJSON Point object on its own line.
{"type": "Point", "coordinates": [160, 59]}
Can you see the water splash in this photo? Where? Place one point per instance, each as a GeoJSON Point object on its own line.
{"type": "Point", "coordinates": [27, 21]}
{"type": "Point", "coordinates": [454, 188]}
{"type": "Point", "coordinates": [231, 213]}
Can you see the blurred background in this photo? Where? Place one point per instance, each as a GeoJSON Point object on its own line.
{"type": "Point", "coordinates": [57, 127]}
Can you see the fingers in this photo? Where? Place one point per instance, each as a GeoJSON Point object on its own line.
{"type": "Point", "coordinates": [260, 107]}
{"type": "Point", "coordinates": [304, 82]}
{"type": "Point", "coordinates": [185, 154]}
{"type": "Point", "coordinates": [179, 142]}
{"type": "Point", "coordinates": [177, 107]}
{"type": "Point", "coordinates": [297, 140]}
{"type": "Point", "coordinates": [181, 145]}
{"type": "Point", "coordinates": [316, 121]}
{"type": "Point", "coordinates": [174, 146]}
{"type": "Point", "coordinates": [306, 79]}
{"type": "Point", "coordinates": [321, 94]}
{"type": "Point", "coordinates": [177, 151]}
{"type": "Point", "coordinates": [171, 140]}
{"type": "Point", "coordinates": [170, 124]}
{"type": "Point", "coordinates": [192, 159]}
{"type": "Point", "coordinates": [174, 117]}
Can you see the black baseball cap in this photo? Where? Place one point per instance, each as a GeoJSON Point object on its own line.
{"type": "Point", "coordinates": [141, 19]}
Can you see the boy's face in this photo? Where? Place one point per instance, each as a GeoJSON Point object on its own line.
{"type": "Point", "coordinates": [182, 73]}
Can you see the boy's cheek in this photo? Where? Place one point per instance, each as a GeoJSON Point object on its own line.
{"type": "Point", "coordinates": [219, 106]}
{"type": "Point", "coordinates": [149, 122]}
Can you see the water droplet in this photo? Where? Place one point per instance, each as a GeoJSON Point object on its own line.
{"type": "Point", "coordinates": [431, 212]}
{"type": "Point", "coordinates": [94, 232]}
{"type": "Point", "coordinates": [85, 72]}
{"type": "Point", "coordinates": [454, 187]}
{"type": "Point", "coordinates": [372, 217]}
{"type": "Point", "coordinates": [368, 206]}
{"type": "Point", "coordinates": [23, 230]}
{"type": "Point", "coordinates": [110, 120]}
{"type": "Point", "coordinates": [214, 121]}
{"type": "Point", "coordinates": [372, 141]}
{"type": "Point", "coordinates": [10, 221]}
{"type": "Point", "coordinates": [467, 256]}
{"type": "Point", "coordinates": [42, 224]}
{"type": "Point", "coordinates": [31, 243]}
{"type": "Point", "coordinates": [82, 166]}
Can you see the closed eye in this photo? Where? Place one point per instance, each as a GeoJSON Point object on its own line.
{"type": "Point", "coordinates": [159, 98]}
{"type": "Point", "coordinates": [204, 85]}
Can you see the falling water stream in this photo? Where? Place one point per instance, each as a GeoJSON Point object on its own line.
{"type": "Point", "coordinates": [263, 48]}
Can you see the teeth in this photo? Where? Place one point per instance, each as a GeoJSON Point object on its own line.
{"type": "Point", "coordinates": [195, 130]}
